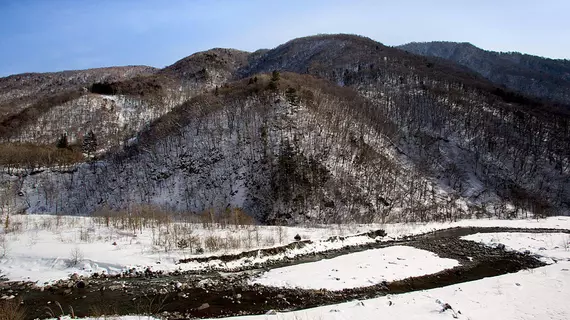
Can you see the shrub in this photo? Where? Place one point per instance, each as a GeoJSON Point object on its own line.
{"type": "Point", "coordinates": [213, 243]}
{"type": "Point", "coordinates": [76, 256]}
{"type": "Point", "coordinates": [182, 244]}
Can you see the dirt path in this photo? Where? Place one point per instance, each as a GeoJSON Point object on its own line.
{"type": "Point", "coordinates": [217, 294]}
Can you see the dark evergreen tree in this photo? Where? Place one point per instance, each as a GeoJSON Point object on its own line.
{"type": "Point", "coordinates": [275, 76]}
{"type": "Point", "coordinates": [89, 145]}
{"type": "Point", "coordinates": [62, 142]}
{"type": "Point", "coordinates": [292, 96]}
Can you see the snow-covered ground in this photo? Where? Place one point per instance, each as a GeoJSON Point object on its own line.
{"type": "Point", "coordinates": [530, 294]}
{"type": "Point", "coordinates": [45, 248]}
{"type": "Point", "coordinates": [358, 269]}
{"type": "Point", "coordinates": [551, 247]}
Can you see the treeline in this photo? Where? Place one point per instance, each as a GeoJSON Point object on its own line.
{"type": "Point", "coordinates": [139, 217]}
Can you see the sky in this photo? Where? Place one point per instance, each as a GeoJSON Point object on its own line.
{"type": "Point", "coordinates": [54, 35]}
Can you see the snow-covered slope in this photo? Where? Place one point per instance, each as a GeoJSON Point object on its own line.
{"type": "Point", "coordinates": [480, 141]}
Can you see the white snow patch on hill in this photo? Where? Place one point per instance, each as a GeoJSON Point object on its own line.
{"type": "Point", "coordinates": [359, 269]}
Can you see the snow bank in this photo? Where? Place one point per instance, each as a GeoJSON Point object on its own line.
{"type": "Point", "coordinates": [359, 269]}
{"type": "Point", "coordinates": [310, 248]}
{"type": "Point", "coordinates": [42, 248]}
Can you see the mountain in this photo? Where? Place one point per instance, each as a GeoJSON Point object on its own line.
{"type": "Point", "coordinates": [115, 103]}
{"type": "Point", "coordinates": [328, 128]}
{"type": "Point", "coordinates": [531, 75]}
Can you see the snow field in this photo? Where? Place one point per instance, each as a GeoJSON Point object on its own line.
{"type": "Point", "coordinates": [46, 248]}
{"type": "Point", "coordinates": [359, 269]}
{"type": "Point", "coordinates": [397, 230]}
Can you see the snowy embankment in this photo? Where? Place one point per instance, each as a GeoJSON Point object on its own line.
{"type": "Point", "coordinates": [46, 248]}
{"type": "Point", "coordinates": [359, 269]}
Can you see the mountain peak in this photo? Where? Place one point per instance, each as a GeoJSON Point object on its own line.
{"type": "Point", "coordinates": [222, 59]}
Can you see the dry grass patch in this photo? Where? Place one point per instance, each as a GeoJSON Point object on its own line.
{"type": "Point", "coordinates": [11, 310]}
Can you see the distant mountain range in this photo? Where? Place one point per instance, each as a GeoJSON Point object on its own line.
{"type": "Point", "coordinates": [540, 77]}
{"type": "Point", "coordinates": [328, 128]}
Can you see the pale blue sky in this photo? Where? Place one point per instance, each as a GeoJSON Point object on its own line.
{"type": "Point", "coordinates": [53, 35]}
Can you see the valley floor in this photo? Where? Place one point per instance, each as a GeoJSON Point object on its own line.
{"type": "Point", "coordinates": [350, 262]}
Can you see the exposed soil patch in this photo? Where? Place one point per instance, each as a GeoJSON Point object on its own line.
{"type": "Point", "coordinates": [215, 294]}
